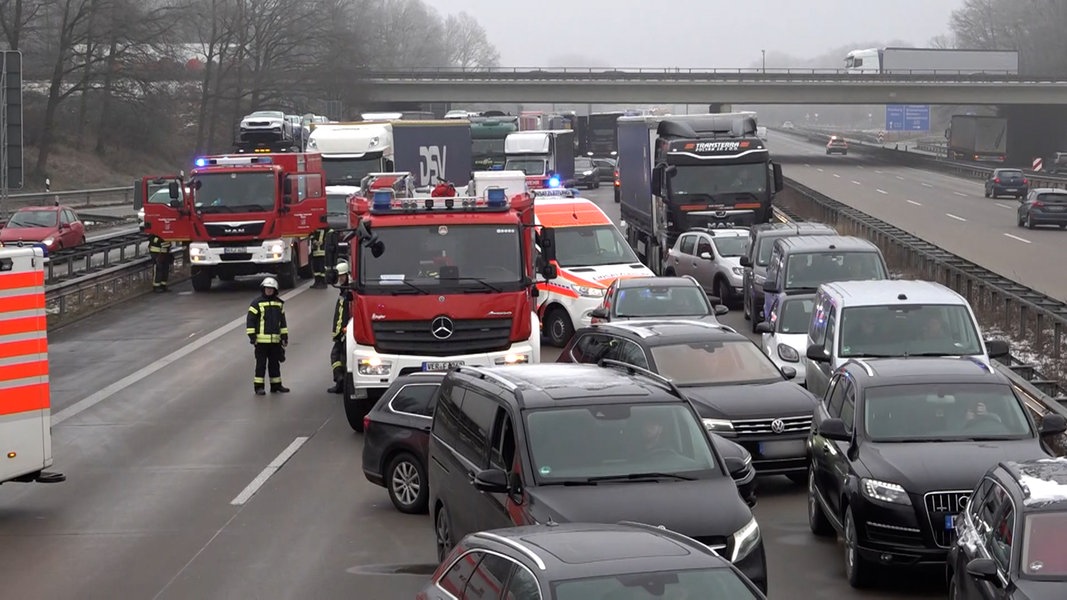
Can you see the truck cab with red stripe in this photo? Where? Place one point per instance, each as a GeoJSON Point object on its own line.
{"type": "Point", "coordinates": [25, 401]}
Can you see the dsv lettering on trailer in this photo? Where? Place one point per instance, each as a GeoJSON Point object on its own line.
{"type": "Point", "coordinates": [431, 164]}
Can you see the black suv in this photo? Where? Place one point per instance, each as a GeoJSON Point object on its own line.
{"type": "Point", "coordinates": [898, 445]}
{"type": "Point", "coordinates": [738, 391]}
{"type": "Point", "coordinates": [530, 444]}
{"type": "Point", "coordinates": [1011, 544]}
{"type": "Point", "coordinates": [1006, 182]}
{"type": "Point", "coordinates": [758, 255]}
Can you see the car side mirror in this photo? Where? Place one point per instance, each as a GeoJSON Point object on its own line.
{"type": "Point", "coordinates": [779, 180]}
{"type": "Point", "coordinates": [770, 286]}
{"type": "Point", "coordinates": [817, 353]}
{"type": "Point", "coordinates": [984, 569]}
{"type": "Point", "coordinates": [705, 255]}
{"type": "Point", "coordinates": [287, 186]}
{"type": "Point", "coordinates": [287, 199]}
{"type": "Point", "coordinates": [549, 271]}
{"type": "Point", "coordinates": [789, 373]}
{"type": "Point", "coordinates": [834, 429]}
{"type": "Point", "coordinates": [492, 481]}
{"type": "Point", "coordinates": [997, 348]}
{"type": "Point", "coordinates": [173, 190]}
{"type": "Point", "coordinates": [600, 313]}
{"type": "Point", "coordinates": [764, 327]}
{"type": "Point", "coordinates": [746, 261]}
{"type": "Point", "coordinates": [721, 309]}
{"type": "Point", "coordinates": [1053, 424]}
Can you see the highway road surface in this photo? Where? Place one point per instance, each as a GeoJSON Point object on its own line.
{"type": "Point", "coordinates": [167, 453]}
{"type": "Point", "coordinates": [948, 211]}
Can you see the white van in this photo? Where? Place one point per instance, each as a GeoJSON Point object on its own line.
{"type": "Point", "coordinates": [889, 318]}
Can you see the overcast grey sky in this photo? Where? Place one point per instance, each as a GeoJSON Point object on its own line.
{"type": "Point", "coordinates": [694, 33]}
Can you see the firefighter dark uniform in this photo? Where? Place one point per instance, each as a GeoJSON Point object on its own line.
{"type": "Point", "coordinates": [341, 313]}
{"type": "Point", "coordinates": [318, 256]}
{"type": "Point", "coordinates": [159, 249]}
{"type": "Point", "coordinates": [267, 331]}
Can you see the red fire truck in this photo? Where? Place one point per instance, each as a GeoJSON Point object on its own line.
{"type": "Point", "coordinates": [437, 282]}
{"type": "Point", "coordinates": [241, 215]}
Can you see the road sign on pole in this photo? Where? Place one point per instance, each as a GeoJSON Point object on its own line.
{"type": "Point", "coordinates": [907, 117]}
{"type": "Point", "coordinates": [10, 124]}
{"type": "Point", "coordinates": [1038, 164]}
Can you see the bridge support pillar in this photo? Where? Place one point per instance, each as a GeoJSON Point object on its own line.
{"type": "Point", "coordinates": [1034, 131]}
{"type": "Point", "coordinates": [718, 107]}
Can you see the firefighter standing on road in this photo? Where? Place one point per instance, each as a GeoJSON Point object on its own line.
{"type": "Point", "coordinates": [341, 314]}
{"type": "Point", "coordinates": [269, 334]}
{"type": "Point", "coordinates": [318, 256]}
{"type": "Point", "coordinates": [160, 251]}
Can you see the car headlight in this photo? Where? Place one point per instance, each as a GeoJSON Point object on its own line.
{"type": "Point", "coordinates": [788, 353]}
{"type": "Point", "coordinates": [374, 365]}
{"type": "Point", "coordinates": [884, 491]}
{"type": "Point", "coordinates": [719, 426]}
{"type": "Point", "coordinates": [744, 541]}
{"type": "Point", "coordinates": [738, 271]}
{"type": "Point", "coordinates": [48, 241]}
{"type": "Point", "coordinates": [313, 144]}
{"type": "Point", "coordinates": [587, 172]}
{"type": "Point", "coordinates": [274, 247]}
{"type": "Point", "coordinates": [590, 292]}
{"type": "Point", "coordinates": [197, 251]}
{"type": "Point", "coordinates": [513, 358]}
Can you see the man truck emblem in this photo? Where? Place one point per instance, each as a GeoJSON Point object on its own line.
{"type": "Point", "coordinates": [777, 426]}
{"type": "Point", "coordinates": [234, 230]}
{"type": "Point", "coordinates": [442, 327]}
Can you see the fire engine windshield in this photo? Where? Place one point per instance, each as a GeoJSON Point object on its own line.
{"type": "Point", "coordinates": [719, 179]}
{"type": "Point", "coordinates": [463, 256]}
{"type": "Point", "coordinates": [235, 192]}
{"type": "Point", "coordinates": [349, 171]}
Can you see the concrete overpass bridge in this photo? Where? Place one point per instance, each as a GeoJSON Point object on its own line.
{"type": "Point", "coordinates": [1034, 105]}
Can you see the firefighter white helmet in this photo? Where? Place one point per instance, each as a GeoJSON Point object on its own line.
{"type": "Point", "coordinates": [342, 268]}
{"type": "Point", "coordinates": [269, 282]}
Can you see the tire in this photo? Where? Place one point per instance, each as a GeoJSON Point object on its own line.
{"type": "Point", "coordinates": [405, 477]}
{"type": "Point", "coordinates": [724, 291]}
{"type": "Point", "coordinates": [442, 533]}
{"type": "Point", "coordinates": [859, 571]}
{"type": "Point", "coordinates": [558, 327]}
{"type": "Point", "coordinates": [357, 408]}
{"type": "Point", "coordinates": [287, 275]}
{"type": "Point", "coordinates": [817, 521]}
{"type": "Point", "coordinates": [987, 194]}
{"type": "Point", "coordinates": [201, 279]}
{"type": "Point", "coordinates": [82, 241]}
{"type": "Point", "coordinates": [670, 272]}
{"type": "Point", "coordinates": [1029, 221]}
{"type": "Point", "coordinates": [306, 272]}
{"type": "Point", "coordinates": [746, 305]}
{"type": "Point", "coordinates": [953, 589]}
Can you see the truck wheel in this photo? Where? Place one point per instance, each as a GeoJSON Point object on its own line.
{"type": "Point", "coordinates": [558, 327]}
{"type": "Point", "coordinates": [306, 271]}
{"type": "Point", "coordinates": [201, 280]}
{"type": "Point", "coordinates": [357, 408]}
{"type": "Point", "coordinates": [287, 275]}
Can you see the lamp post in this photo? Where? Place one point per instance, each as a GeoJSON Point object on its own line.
{"type": "Point", "coordinates": [764, 53]}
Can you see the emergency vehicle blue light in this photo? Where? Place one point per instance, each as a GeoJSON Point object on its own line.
{"type": "Point", "coordinates": [496, 197]}
{"type": "Point", "coordinates": [201, 162]}
{"type": "Point", "coordinates": [553, 182]}
{"type": "Point", "coordinates": [383, 199]}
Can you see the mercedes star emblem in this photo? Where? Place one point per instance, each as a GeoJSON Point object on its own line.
{"type": "Point", "coordinates": [442, 327]}
{"type": "Point", "coordinates": [777, 425]}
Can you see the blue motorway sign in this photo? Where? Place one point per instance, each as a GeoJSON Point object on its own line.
{"type": "Point", "coordinates": [907, 117]}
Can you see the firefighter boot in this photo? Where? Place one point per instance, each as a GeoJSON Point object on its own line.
{"type": "Point", "coordinates": [277, 388]}
{"type": "Point", "coordinates": [260, 391]}
{"type": "Point", "coordinates": [338, 388]}
{"type": "Point", "coordinates": [320, 283]}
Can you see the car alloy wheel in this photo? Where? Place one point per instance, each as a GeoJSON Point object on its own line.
{"type": "Point", "coordinates": [407, 487]}
{"type": "Point", "coordinates": [443, 534]}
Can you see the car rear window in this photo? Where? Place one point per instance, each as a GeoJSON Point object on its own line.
{"type": "Point", "coordinates": [1011, 173]}
{"type": "Point", "coordinates": [1059, 198]}
{"type": "Point", "coordinates": [1043, 554]}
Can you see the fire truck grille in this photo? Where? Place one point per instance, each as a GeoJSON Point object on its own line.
{"type": "Point", "coordinates": [230, 229]}
{"type": "Point", "coordinates": [469, 336]}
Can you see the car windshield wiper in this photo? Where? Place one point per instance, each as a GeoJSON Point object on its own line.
{"type": "Point", "coordinates": [871, 355]}
{"type": "Point", "coordinates": [389, 282]}
{"type": "Point", "coordinates": [481, 281]}
{"type": "Point", "coordinates": [569, 482]}
{"type": "Point", "coordinates": [642, 476]}
{"type": "Point", "coordinates": [907, 354]}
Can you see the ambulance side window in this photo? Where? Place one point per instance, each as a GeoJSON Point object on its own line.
{"type": "Point", "coordinates": [6, 264]}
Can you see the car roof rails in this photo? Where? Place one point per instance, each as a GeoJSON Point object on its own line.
{"type": "Point", "coordinates": [635, 370]}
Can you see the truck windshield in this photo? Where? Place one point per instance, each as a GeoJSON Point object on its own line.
{"type": "Point", "coordinates": [426, 254]}
{"type": "Point", "coordinates": [487, 147]}
{"type": "Point", "coordinates": [349, 171]}
{"type": "Point", "coordinates": [720, 179]}
{"type": "Point", "coordinates": [235, 192]}
{"type": "Point", "coordinates": [530, 166]}
{"type": "Point", "coordinates": [591, 246]}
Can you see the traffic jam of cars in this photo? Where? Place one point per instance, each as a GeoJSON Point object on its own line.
{"type": "Point", "coordinates": [628, 468]}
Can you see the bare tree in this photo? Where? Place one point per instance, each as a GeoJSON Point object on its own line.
{"type": "Point", "coordinates": [942, 41]}
{"type": "Point", "coordinates": [467, 44]}
{"type": "Point", "coordinates": [15, 20]}
{"type": "Point", "coordinates": [1033, 27]}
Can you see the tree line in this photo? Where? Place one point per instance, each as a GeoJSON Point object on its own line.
{"type": "Point", "coordinates": [173, 76]}
{"type": "Point", "coordinates": [1035, 28]}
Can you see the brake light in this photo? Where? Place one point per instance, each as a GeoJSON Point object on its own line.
{"type": "Point", "coordinates": [1026, 181]}
{"type": "Point", "coordinates": [1037, 204]}
{"type": "Point", "coordinates": [366, 423]}
{"type": "Point", "coordinates": [996, 180]}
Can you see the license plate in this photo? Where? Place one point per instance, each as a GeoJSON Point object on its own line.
{"type": "Point", "coordinates": [1056, 208]}
{"type": "Point", "coordinates": [783, 449]}
{"type": "Point", "coordinates": [235, 251]}
{"type": "Point", "coordinates": [1010, 190]}
{"type": "Point", "coordinates": [950, 522]}
{"type": "Point", "coordinates": [444, 365]}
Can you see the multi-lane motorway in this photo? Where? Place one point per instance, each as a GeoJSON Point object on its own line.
{"type": "Point", "coordinates": [162, 441]}
{"type": "Point", "coordinates": [951, 212]}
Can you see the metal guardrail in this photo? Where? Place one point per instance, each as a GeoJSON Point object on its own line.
{"type": "Point", "coordinates": [1022, 312]}
{"type": "Point", "coordinates": [94, 256]}
{"type": "Point", "coordinates": [73, 198]}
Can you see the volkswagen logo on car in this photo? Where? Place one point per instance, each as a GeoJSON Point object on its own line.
{"type": "Point", "coordinates": [442, 327]}
{"type": "Point", "coordinates": [777, 426]}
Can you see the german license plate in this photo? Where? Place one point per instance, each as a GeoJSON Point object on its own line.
{"type": "Point", "coordinates": [443, 365]}
{"type": "Point", "coordinates": [236, 251]}
{"type": "Point", "coordinates": [783, 449]}
{"type": "Point", "coordinates": [1011, 189]}
{"type": "Point", "coordinates": [950, 522]}
{"type": "Point", "coordinates": [1056, 208]}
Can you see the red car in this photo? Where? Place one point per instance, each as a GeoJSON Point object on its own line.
{"type": "Point", "coordinates": [56, 227]}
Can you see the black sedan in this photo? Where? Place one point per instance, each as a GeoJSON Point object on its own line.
{"type": "Point", "coordinates": [586, 173]}
{"type": "Point", "coordinates": [661, 298]}
{"type": "Point", "coordinates": [739, 393]}
{"type": "Point", "coordinates": [606, 167]}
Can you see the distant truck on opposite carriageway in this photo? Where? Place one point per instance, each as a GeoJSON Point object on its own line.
{"type": "Point", "coordinates": [931, 61]}
{"type": "Point", "coordinates": [978, 138]}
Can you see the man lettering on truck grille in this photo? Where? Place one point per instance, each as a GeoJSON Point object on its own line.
{"type": "Point", "coordinates": [268, 332]}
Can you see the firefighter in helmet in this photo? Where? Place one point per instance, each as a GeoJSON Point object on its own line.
{"type": "Point", "coordinates": [341, 313]}
{"type": "Point", "coordinates": [269, 334]}
{"type": "Point", "coordinates": [318, 256]}
{"type": "Point", "coordinates": [159, 249]}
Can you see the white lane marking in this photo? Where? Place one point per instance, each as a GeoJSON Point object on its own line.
{"type": "Point", "coordinates": [1003, 205]}
{"type": "Point", "coordinates": [881, 191]}
{"type": "Point", "coordinates": [93, 399]}
{"type": "Point", "coordinates": [251, 489]}
{"type": "Point", "coordinates": [927, 185]}
{"type": "Point", "coordinates": [836, 175]}
{"type": "Point", "coordinates": [952, 216]}
{"type": "Point", "coordinates": [859, 166]}
{"type": "Point", "coordinates": [900, 178]}
{"type": "Point", "coordinates": [960, 194]}
{"type": "Point", "coordinates": [807, 165]}
{"type": "Point", "coordinates": [915, 203]}
{"type": "Point", "coordinates": [1015, 237]}
{"type": "Point", "coordinates": [818, 169]}
{"type": "Point", "coordinates": [877, 171]}
{"type": "Point", "coordinates": [856, 182]}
